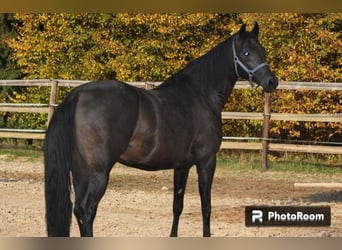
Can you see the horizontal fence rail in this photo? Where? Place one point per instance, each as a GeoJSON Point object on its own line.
{"type": "Point", "coordinates": [264, 144]}
{"type": "Point", "coordinates": [24, 107]}
{"type": "Point", "coordinates": [284, 117]}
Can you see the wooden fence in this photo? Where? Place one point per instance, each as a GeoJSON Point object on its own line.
{"type": "Point", "coordinates": [264, 144]}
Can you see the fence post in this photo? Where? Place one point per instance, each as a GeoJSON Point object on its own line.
{"type": "Point", "coordinates": [265, 131]}
{"type": "Point", "coordinates": [52, 101]}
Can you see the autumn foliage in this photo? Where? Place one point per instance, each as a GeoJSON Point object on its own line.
{"type": "Point", "coordinates": [151, 47]}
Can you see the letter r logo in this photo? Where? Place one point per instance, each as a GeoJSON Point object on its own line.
{"type": "Point", "coordinates": [257, 216]}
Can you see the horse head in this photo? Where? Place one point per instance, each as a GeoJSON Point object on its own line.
{"type": "Point", "coordinates": [250, 59]}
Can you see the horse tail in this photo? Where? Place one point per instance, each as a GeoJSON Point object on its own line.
{"type": "Point", "coordinates": [58, 146]}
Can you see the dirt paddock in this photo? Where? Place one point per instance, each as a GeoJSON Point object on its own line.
{"type": "Point", "coordinates": [139, 203]}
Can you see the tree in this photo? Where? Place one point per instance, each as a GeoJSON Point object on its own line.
{"type": "Point", "coordinates": [131, 47]}
{"type": "Point", "coordinates": [8, 68]}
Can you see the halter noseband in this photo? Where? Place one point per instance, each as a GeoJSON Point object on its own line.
{"type": "Point", "coordinates": [247, 70]}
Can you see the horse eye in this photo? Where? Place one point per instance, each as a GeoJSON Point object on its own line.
{"type": "Point", "coordinates": [246, 53]}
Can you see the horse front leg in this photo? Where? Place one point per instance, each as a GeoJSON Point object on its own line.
{"type": "Point", "coordinates": [180, 179]}
{"type": "Point", "coordinates": [206, 170]}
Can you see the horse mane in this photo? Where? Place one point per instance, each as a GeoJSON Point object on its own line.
{"type": "Point", "coordinates": [206, 71]}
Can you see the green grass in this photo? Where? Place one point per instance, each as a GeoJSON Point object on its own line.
{"type": "Point", "coordinates": [285, 162]}
{"type": "Point", "coordinates": [30, 153]}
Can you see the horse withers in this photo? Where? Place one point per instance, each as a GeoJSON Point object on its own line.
{"type": "Point", "coordinates": [174, 126]}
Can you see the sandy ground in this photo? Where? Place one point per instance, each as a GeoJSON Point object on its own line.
{"type": "Point", "coordinates": [139, 203]}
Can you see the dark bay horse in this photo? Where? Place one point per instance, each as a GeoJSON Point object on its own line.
{"type": "Point", "coordinates": [173, 126]}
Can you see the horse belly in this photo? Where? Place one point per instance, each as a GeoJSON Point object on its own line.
{"type": "Point", "coordinates": [145, 154]}
{"type": "Point", "coordinates": [151, 152]}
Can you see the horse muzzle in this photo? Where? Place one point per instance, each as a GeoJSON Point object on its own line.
{"type": "Point", "coordinates": [270, 83]}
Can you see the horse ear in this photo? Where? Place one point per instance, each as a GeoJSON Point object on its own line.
{"type": "Point", "coordinates": [242, 32]}
{"type": "Point", "coordinates": [255, 30]}
{"type": "Point", "coordinates": [242, 29]}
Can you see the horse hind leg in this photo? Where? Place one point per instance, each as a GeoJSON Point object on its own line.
{"type": "Point", "coordinates": [88, 193]}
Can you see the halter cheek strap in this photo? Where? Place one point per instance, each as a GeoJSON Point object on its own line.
{"type": "Point", "coordinates": [250, 72]}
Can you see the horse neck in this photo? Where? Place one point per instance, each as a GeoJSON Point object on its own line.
{"type": "Point", "coordinates": [214, 75]}
{"type": "Point", "coordinates": [210, 77]}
